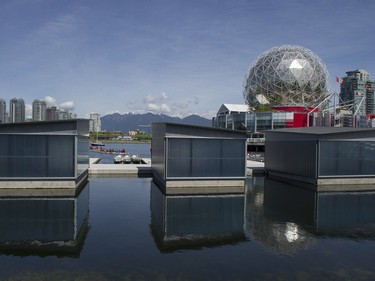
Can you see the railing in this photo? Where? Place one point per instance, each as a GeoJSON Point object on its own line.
{"type": "Point", "coordinates": [253, 140]}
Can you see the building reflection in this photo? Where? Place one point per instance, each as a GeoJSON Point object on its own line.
{"type": "Point", "coordinates": [44, 226]}
{"type": "Point", "coordinates": [286, 217]}
{"type": "Point", "coordinates": [283, 236]}
{"type": "Point", "coordinates": [195, 221]}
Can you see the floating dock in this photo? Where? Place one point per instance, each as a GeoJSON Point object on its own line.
{"type": "Point", "coordinates": [145, 169]}
{"type": "Point", "coordinates": [97, 169]}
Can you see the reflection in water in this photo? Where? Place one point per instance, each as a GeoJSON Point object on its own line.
{"type": "Point", "coordinates": [44, 226]}
{"type": "Point", "coordinates": [290, 217]}
{"type": "Point", "coordinates": [346, 214]}
{"type": "Point", "coordinates": [188, 222]}
{"type": "Point", "coordinates": [280, 235]}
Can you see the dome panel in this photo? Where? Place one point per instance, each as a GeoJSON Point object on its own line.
{"type": "Point", "coordinates": [287, 75]}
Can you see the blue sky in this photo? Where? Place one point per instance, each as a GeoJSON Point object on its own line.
{"type": "Point", "coordinates": [177, 57]}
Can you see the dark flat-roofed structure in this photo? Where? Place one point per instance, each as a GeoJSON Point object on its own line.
{"type": "Point", "coordinates": [330, 159]}
{"type": "Point", "coordinates": [193, 159]}
{"type": "Point", "coordinates": [44, 155]}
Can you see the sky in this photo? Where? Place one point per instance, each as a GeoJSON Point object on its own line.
{"type": "Point", "coordinates": [176, 57]}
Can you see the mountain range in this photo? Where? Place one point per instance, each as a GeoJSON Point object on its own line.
{"type": "Point", "coordinates": [130, 122]}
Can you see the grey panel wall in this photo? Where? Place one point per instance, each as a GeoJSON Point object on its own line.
{"type": "Point", "coordinates": [293, 157]}
{"type": "Point", "coordinates": [37, 156]}
{"type": "Point", "coordinates": [347, 158]}
{"type": "Point", "coordinates": [157, 149]}
{"type": "Point", "coordinates": [83, 157]}
{"type": "Point", "coordinates": [201, 158]}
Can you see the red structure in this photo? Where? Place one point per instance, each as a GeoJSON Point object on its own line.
{"type": "Point", "coordinates": [301, 113]}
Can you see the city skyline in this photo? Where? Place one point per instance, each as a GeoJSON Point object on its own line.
{"type": "Point", "coordinates": [172, 57]}
{"type": "Point", "coordinates": [14, 111]}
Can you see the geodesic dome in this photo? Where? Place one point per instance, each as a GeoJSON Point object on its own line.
{"type": "Point", "coordinates": [286, 75]}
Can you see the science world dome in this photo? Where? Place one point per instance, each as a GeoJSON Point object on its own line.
{"type": "Point", "coordinates": [286, 75]}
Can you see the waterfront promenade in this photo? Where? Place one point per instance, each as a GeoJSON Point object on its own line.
{"type": "Point", "coordinates": [145, 169]}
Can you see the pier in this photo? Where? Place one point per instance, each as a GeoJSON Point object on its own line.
{"type": "Point", "coordinates": [97, 170]}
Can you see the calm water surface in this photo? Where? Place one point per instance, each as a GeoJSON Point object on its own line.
{"type": "Point", "coordinates": [126, 229]}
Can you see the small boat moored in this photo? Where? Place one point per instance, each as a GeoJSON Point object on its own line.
{"type": "Point", "coordinates": [126, 159]}
{"type": "Point", "coordinates": [117, 159]}
{"type": "Point", "coordinates": [136, 159]}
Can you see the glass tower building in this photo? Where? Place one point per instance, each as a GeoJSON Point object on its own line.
{"type": "Point", "coordinates": [17, 110]}
{"type": "Point", "coordinates": [2, 111]}
{"type": "Point", "coordinates": [357, 92]}
{"type": "Point", "coordinates": [39, 110]}
{"type": "Point", "coordinates": [95, 122]}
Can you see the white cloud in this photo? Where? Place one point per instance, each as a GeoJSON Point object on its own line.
{"type": "Point", "coordinates": [155, 98]}
{"type": "Point", "coordinates": [165, 108]}
{"type": "Point", "coordinates": [155, 103]}
{"type": "Point", "coordinates": [50, 101]}
{"type": "Point", "coordinates": [68, 105]}
{"type": "Point", "coordinates": [153, 107]}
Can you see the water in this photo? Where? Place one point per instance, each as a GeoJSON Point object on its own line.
{"type": "Point", "coordinates": [126, 229]}
{"type": "Point", "coordinates": [141, 149]}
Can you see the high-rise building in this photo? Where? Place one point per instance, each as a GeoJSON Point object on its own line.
{"type": "Point", "coordinates": [63, 114]}
{"type": "Point", "coordinates": [17, 110]}
{"type": "Point", "coordinates": [2, 111]}
{"type": "Point", "coordinates": [357, 92]}
{"type": "Point", "coordinates": [95, 122]}
{"type": "Point", "coordinates": [39, 110]}
{"type": "Point", "coordinates": [51, 113]}
{"type": "Point", "coordinates": [72, 115]}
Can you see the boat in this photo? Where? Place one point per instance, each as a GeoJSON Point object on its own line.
{"type": "Point", "coordinates": [108, 151]}
{"type": "Point", "coordinates": [126, 159]}
{"type": "Point", "coordinates": [95, 144]}
{"type": "Point", "coordinates": [136, 159]}
{"type": "Point", "coordinates": [117, 159]}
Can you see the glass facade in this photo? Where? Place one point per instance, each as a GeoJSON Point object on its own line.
{"type": "Point", "coordinates": [239, 121]}
{"type": "Point", "coordinates": [255, 121]}
{"type": "Point", "coordinates": [219, 121]}
{"type": "Point", "coordinates": [282, 119]}
{"type": "Point", "coordinates": [347, 158]}
{"type": "Point", "coordinates": [264, 121]}
{"type": "Point", "coordinates": [37, 156]}
{"type": "Point", "coordinates": [357, 92]}
{"type": "Point", "coordinates": [250, 122]}
{"type": "Point", "coordinates": [205, 158]}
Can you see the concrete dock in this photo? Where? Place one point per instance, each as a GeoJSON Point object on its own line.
{"type": "Point", "coordinates": [254, 168]}
{"type": "Point", "coordinates": [101, 170]}
{"type": "Point", "coordinates": [97, 169]}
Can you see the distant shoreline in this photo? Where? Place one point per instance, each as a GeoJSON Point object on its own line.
{"type": "Point", "coordinates": [126, 142]}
